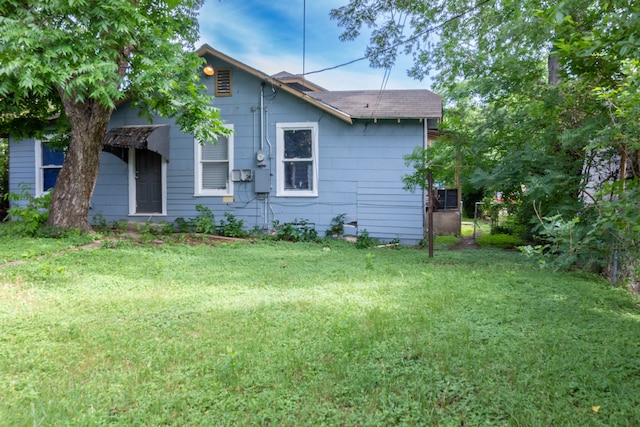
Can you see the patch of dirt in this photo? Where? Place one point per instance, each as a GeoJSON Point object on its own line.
{"type": "Point", "coordinates": [200, 239]}
{"type": "Point", "coordinates": [467, 242]}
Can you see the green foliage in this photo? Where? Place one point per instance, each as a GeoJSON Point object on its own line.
{"type": "Point", "coordinates": [440, 158]}
{"type": "Point", "coordinates": [337, 226]}
{"type": "Point", "coordinates": [308, 232]}
{"type": "Point", "coordinates": [503, 241]}
{"type": "Point", "coordinates": [104, 53]}
{"type": "Point", "coordinates": [445, 241]}
{"type": "Point", "coordinates": [48, 232]}
{"type": "Point", "coordinates": [120, 226]}
{"type": "Point", "coordinates": [618, 224]}
{"type": "Point", "coordinates": [506, 218]}
{"type": "Point", "coordinates": [28, 213]}
{"type": "Point", "coordinates": [205, 222]}
{"type": "Point", "coordinates": [183, 225]}
{"type": "Point", "coordinates": [524, 129]}
{"type": "Point", "coordinates": [150, 229]}
{"type": "Point", "coordinates": [365, 241]}
{"type": "Point", "coordinates": [4, 176]}
{"type": "Point", "coordinates": [230, 226]}
{"type": "Point", "coordinates": [605, 239]}
{"type": "Point", "coordinates": [231, 368]}
{"type": "Point", "coordinates": [256, 231]}
{"type": "Point", "coordinates": [287, 231]}
{"type": "Point", "coordinates": [75, 60]}
{"type": "Point", "coordinates": [100, 222]}
{"type": "Point", "coordinates": [419, 160]}
{"type": "Point", "coordinates": [301, 230]}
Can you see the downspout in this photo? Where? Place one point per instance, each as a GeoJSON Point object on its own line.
{"type": "Point", "coordinates": [261, 115]}
{"type": "Point", "coordinates": [264, 122]}
{"type": "Point", "coordinates": [266, 112]}
{"type": "Point", "coordinates": [254, 109]}
{"type": "Point", "coordinates": [267, 199]}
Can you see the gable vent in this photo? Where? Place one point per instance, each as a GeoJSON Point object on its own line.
{"type": "Point", "coordinates": [223, 82]}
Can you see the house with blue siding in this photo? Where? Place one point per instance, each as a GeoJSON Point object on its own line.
{"type": "Point", "coordinates": [297, 153]}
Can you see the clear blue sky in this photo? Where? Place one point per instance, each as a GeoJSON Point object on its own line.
{"type": "Point", "coordinates": [268, 35]}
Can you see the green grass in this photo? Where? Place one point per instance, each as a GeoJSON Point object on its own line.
{"type": "Point", "coordinates": [13, 248]}
{"type": "Point", "coordinates": [504, 241]}
{"type": "Point", "coordinates": [293, 334]}
{"type": "Point", "coordinates": [481, 227]}
{"type": "Point", "coordinates": [445, 242]}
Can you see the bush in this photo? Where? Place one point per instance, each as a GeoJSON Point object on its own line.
{"type": "Point", "coordinates": [603, 239]}
{"type": "Point", "coordinates": [298, 231]}
{"type": "Point", "coordinates": [30, 215]}
{"type": "Point", "coordinates": [231, 227]}
{"type": "Point", "coordinates": [365, 241]}
{"type": "Point", "coordinates": [337, 226]}
{"type": "Point", "coordinates": [205, 222]}
{"type": "Point", "coordinates": [152, 229]}
{"type": "Point", "coordinates": [4, 176]}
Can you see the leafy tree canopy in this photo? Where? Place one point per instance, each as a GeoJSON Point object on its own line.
{"type": "Point", "coordinates": [540, 96]}
{"type": "Point", "coordinates": [75, 60]}
{"type": "Point", "coordinates": [101, 51]}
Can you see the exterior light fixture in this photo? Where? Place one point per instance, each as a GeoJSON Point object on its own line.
{"type": "Point", "coordinates": [208, 70]}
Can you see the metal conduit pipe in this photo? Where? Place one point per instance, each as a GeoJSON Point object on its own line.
{"type": "Point", "coordinates": [261, 115]}
{"type": "Point", "coordinates": [263, 119]}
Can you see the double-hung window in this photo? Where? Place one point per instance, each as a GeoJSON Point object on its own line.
{"type": "Point", "coordinates": [214, 162]}
{"type": "Point", "coordinates": [48, 164]}
{"type": "Point", "coordinates": [297, 147]}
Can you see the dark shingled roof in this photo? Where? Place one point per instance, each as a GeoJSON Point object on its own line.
{"type": "Point", "coordinates": [387, 104]}
{"type": "Point", "coordinates": [348, 105]}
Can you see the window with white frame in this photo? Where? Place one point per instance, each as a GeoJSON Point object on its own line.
{"type": "Point", "coordinates": [214, 162]}
{"type": "Point", "coordinates": [297, 148]}
{"type": "Point", "coordinates": [48, 164]}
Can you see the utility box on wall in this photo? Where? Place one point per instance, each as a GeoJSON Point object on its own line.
{"type": "Point", "coordinates": [241, 175]}
{"type": "Point", "coordinates": [261, 158]}
{"type": "Point", "coordinates": [262, 179]}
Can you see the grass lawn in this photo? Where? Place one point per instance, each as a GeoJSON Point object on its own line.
{"type": "Point", "coordinates": [281, 334]}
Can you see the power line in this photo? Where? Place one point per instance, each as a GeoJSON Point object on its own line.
{"type": "Point", "coordinates": [304, 36]}
{"type": "Point", "coordinates": [410, 39]}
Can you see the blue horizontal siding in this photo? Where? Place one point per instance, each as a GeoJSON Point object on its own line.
{"type": "Point", "coordinates": [22, 170]}
{"type": "Point", "coordinates": [361, 167]}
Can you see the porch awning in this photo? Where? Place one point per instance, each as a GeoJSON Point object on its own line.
{"type": "Point", "coordinates": [143, 137]}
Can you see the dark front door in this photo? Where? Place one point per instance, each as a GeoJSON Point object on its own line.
{"type": "Point", "coordinates": [148, 182]}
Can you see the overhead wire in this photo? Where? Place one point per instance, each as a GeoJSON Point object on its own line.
{"type": "Point", "coordinates": [387, 71]}
{"type": "Point", "coordinates": [403, 42]}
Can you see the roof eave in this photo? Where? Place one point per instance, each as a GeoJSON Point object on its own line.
{"type": "Point", "coordinates": [395, 117]}
{"type": "Point", "coordinates": [206, 49]}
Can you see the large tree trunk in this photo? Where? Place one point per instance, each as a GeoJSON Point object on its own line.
{"type": "Point", "coordinates": [77, 179]}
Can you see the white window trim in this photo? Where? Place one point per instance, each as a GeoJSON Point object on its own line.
{"type": "Point", "coordinates": [280, 129]}
{"type": "Point", "coordinates": [132, 186]}
{"type": "Point", "coordinates": [39, 184]}
{"type": "Point", "coordinates": [197, 150]}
